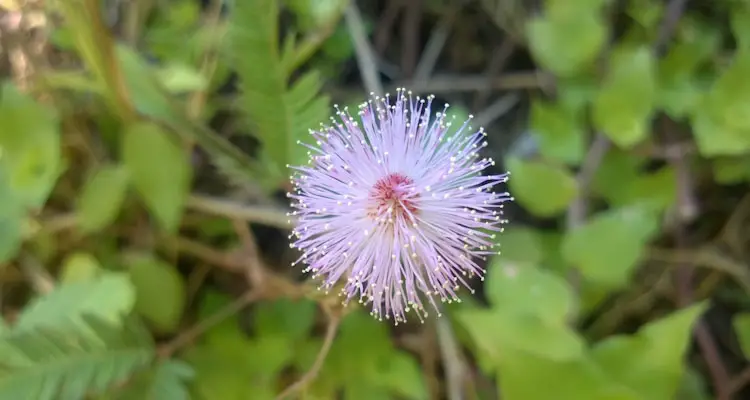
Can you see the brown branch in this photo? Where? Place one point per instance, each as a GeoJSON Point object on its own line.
{"type": "Point", "coordinates": [500, 57]}
{"type": "Point", "coordinates": [41, 281]}
{"type": "Point", "coordinates": [739, 382]}
{"type": "Point", "coordinates": [410, 32]}
{"type": "Point", "coordinates": [190, 335]}
{"type": "Point", "coordinates": [255, 267]}
{"type": "Point", "coordinates": [455, 369]}
{"type": "Point", "coordinates": [385, 24]}
{"type": "Point", "coordinates": [672, 16]}
{"type": "Point", "coordinates": [205, 253]}
{"type": "Point", "coordinates": [683, 277]}
{"type": "Point", "coordinates": [578, 210]}
{"type": "Point", "coordinates": [445, 83]}
{"type": "Point", "coordinates": [312, 373]}
{"type": "Point", "coordinates": [270, 216]}
{"type": "Point", "coordinates": [366, 60]}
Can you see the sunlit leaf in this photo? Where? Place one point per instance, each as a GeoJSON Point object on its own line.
{"type": "Point", "coordinates": [159, 170]}
{"type": "Point", "coordinates": [543, 189]}
{"type": "Point", "coordinates": [607, 248]}
{"type": "Point", "coordinates": [160, 292]}
{"type": "Point", "coordinates": [102, 198]}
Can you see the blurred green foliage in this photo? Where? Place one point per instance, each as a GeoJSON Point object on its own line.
{"type": "Point", "coordinates": [99, 208]}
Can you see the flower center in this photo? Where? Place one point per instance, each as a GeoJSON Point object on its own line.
{"type": "Point", "coordinates": [393, 197]}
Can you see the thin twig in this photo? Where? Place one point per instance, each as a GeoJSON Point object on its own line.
{"type": "Point", "coordinates": [446, 83]}
{"type": "Point", "coordinates": [40, 279]}
{"type": "Point", "coordinates": [497, 109]}
{"type": "Point", "coordinates": [716, 368]}
{"type": "Point", "coordinates": [410, 36]}
{"type": "Point", "coordinates": [707, 257]}
{"type": "Point", "coordinates": [455, 369]}
{"type": "Point", "coordinates": [201, 327]}
{"type": "Point", "coordinates": [209, 60]}
{"type": "Point", "coordinates": [312, 373]}
{"type": "Point", "coordinates": [500, 57]}
{"type": "Point", "coordinates": [233, 210]}
{"type": "Point", "coordinates": [385, 24]}
{"type": "Point", "coordinates": [579, 208]}
{"type": "Point", "coordinates": [255, 268]}
{"type": "Point", "coordinates": [672, 16]}
{"type": "Point", "coordinates": [206, 253]}
{"type": "Point", "coordinates": [313, 40]}
{"type": "Point", "coordinates": [683, 278]}
{"type": "Point", "coordinates": [434, 46]}
{"type": "Point", "coordinates": [739, 382]}
{"type": "Point", "coordinates": [366, 60]}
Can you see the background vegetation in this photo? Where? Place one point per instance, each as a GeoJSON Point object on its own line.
{"type": "Point", "coordinates": [143, 153]}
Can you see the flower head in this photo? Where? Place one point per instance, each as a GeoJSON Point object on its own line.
{"type": "Point", "coordinates": [395, 207]}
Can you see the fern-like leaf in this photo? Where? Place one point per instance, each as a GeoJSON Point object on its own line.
{"type": "Point", "coordinates": [47, 362]}
{"type": "Point", "coordinates": [165, 381]}
{"type": "Point", "coordinates": [108, 297]}
{"type": "Point", "coordinates": [153, 100]}
{"type": "Point", "coordinates": [279, 115]}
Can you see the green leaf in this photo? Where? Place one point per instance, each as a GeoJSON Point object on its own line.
{"type": "Point", "coordinates": [715, 139]}
{"type": "Point", "coordinates": [680, 90]}
{"type": "Point", "coordinates": [576, 92]}
{"type": "Point", "coordinates": [648, 14]}
{"type": "Point", "coordinates": [108, 298]}
{"type": "Point", "coordinates": [69, 362]}
{"type": "Point", "coordinates": [228, 363]}
{"type": "Point", "coordinates": [160, 292]}
{"type": "Point", "coordinates": [608, 247]}
{"type": "Point", "coordinates": [79, 267]}
{"type": "Point", "coordinates": [338, 46]}
{"type": "Point", "coordinates": [617, 170]}
{"type": "Point", "coordinates": [285, 317]}
{"type": "Point", "coordinates": [560, 131]}
{"type": "Point", "coordinates": [152, 99]}
{"type": "Point", "coordinates": [12, 215]}
{"type": "Point", "coordinates": [520, 244]}
{"type": "Point", "coordinates": [361, 338]}
{"type": "Point", "coordinates": [160, 171]}
{"type": "Point", "coordinates": [524, 289]}
{"type": "Point", "coordinates": [279, 115]}
{"type": "Point", "coordinates": [731, 170]}
{"type": "Point", "coordinates": [174, 31]}
{"type": "Point", "coordinates": [567, 43]}
{"type": "Point", "coordinates": [230, 367]}
{"type": "Point", "coordinates": [623, 107]}
{"type": "Point", "coordinates": [102, 198]}
{"type": "Point", "coordinates": [181, 78]}
{"type": "Point", "coordinates": [364, 339]}
{"type": "Point", "coordinates": [30, 148]}
{"type": "Point", "coordinates": [657, 189]}
{"type": "Point", "coordinates": [740, 20]}
{"type": "Point", "coordinates": [403, 376]}
{"type": "Point", "coordinates": [541, 188]}
{"type": "Point", "coordinates": [524, 376]}
{"type": "Point", "coordinates": [222, 372]}
{"type": "Point", "coordinates": [741, 323]}
{"type": "Point", "coordinates": [650, 362]}
{"type": "Point", "coordinates": [316, 14]}
{"type": "Point", "coordinates": [728, 103]}
{"type": "Point", "coordinates": [165, 381]}
{"type": "Point", "coordinates": [496, 332]}
{"type": "Point", "coordinates": [692, 386]}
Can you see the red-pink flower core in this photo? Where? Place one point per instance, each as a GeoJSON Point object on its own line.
{"type": "Point", "coordinates": [393, 197]}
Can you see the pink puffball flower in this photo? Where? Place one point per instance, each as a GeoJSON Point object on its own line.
{"type": "Point", "coordinates": [395, 207]}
